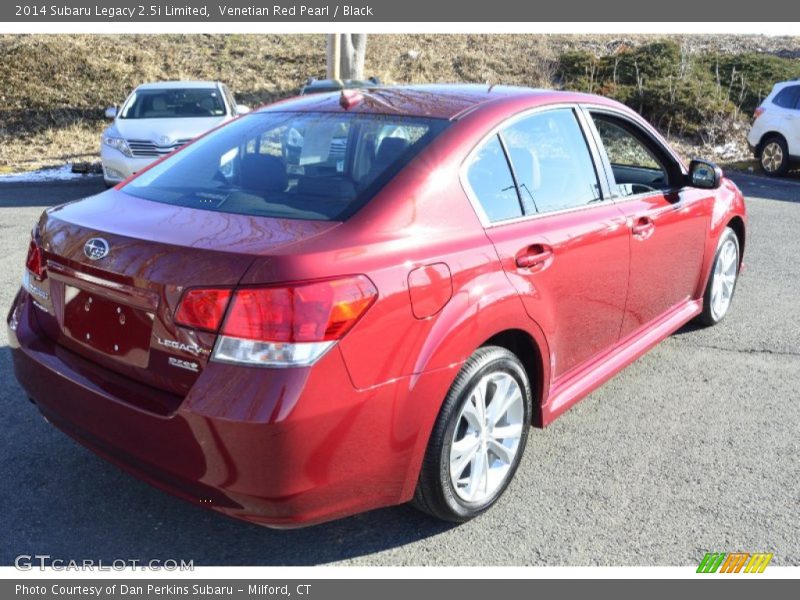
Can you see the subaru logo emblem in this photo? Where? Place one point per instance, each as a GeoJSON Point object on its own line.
{"type": "Point", "coordinates": [96, 248]}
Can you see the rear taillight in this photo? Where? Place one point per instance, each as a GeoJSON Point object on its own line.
{"type": "Point", "coordinates": [279, 326]}
{"type": "Point", "coordinates": [203, 309]}
{"type": "Point", "coordinates": [35, 263]}
{"type": "Point", "coordinates": [314, 312]}
{"type": "Point", "coordinates": [758, 112]}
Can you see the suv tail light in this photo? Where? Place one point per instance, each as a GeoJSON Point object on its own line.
{"type": "Point", "coordinates": [280, 326]}
{"type": "Point", "coordinates": [35, 263]}
{"type": "Point", "coordinates": [758, 112]}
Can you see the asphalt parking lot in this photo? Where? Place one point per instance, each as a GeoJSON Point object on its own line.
{"type": "Point", "coordinates": [694, 448]}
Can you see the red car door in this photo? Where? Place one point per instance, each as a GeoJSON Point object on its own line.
{"type": "Point", "coordinates": [668, 222]}
{"type": "Point", "coordinates": [563, 248]}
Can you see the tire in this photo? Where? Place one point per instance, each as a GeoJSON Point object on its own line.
{"type": "Point", "coordinates": [501, 376]}
{"type": "Point", "coordinates": [773, 156]}
{"type": "Point", "coordinates": [722, 279]}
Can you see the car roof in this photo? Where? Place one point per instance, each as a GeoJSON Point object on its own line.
{"type": "Point", "coordinates": [160, 85]}
{"type": "Point", "coordinates": [443, 101]}
{"type": "Point", "coordinates": [782, 84]}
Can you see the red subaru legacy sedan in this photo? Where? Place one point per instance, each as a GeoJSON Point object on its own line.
{"type": "Point", "coordinates": [349, 301]}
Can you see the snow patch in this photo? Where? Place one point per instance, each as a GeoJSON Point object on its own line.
{"type": "Point", "coordinates": [63, 173]}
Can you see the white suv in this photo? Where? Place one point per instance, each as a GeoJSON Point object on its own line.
{"type": "Point", "coordinates": [158, 118]}
{"type": "Point", "coordinates": [774, 136]}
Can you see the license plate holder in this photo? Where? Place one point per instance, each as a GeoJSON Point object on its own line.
{"type": "Point", "coordinates": [107, 326]}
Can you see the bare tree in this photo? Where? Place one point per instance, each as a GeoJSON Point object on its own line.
{"type": "Point", "coordinates": [346, 53]}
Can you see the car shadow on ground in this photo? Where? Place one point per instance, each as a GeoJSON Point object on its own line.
{"type": "Point", "coordinates": [785, 189]}
{"type": "Point", "coordinates": [690, 327]}
{"type": "Point", "coordinates": [60, 499]}
{"type": "Point", "coordinates": [20, 194]}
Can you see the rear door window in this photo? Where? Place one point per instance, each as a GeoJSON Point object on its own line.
{"type": "Point", "coordinates": [552, 163]}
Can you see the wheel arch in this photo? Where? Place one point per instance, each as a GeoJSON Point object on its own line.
{"type": "Point", "coordinates": [503, 324]}
{"type": "Point", "coordinates": [768, 134]}
{"type": "Point", "coordinates": [523, 345]}
{"type": "Point", "coordinates": [737, 224]}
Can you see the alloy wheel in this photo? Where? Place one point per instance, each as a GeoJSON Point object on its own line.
{"type": "Point", "coordinates": [487, 436]}
{"type": "Point", "coordinates": [724, 278]}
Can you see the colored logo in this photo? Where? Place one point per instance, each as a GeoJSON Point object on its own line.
{"type": "Point", "coordinates": [734, 562]}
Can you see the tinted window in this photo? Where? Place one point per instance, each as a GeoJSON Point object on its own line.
{"type": "Point", "coordinates": [293, 165]}
{"type": "Point", "coordinates": [491, 182]}
{"type": "Point", "coordinates": [174, 103]}
{"type": "Point", "coordinates": [787, 97]}
{"type": "Point", "coordinates": [634, 163]}
{"type": "Point", "coordinates": [551, 161]}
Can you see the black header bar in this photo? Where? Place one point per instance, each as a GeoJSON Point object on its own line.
{"type": "Point", "coordinates": [368, 11]}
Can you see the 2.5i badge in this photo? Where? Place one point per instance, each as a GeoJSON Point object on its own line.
{"type": "Point", "coordinates": [184, 364]}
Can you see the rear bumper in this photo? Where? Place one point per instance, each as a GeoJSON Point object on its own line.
{"type": "Point", "coordinates": [280, 447]}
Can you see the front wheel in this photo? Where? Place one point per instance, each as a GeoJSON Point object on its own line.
{"type": "Point", "coordinates": [722, 281]}
{"type": "Point", "coordinates": [479, 437]}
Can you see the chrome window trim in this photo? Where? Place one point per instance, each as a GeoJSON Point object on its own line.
{"type": "Point", "coordinates": [605, 192]}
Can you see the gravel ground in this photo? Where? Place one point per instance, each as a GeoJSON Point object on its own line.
{"type": "Point", "coordinates": [693, 448]}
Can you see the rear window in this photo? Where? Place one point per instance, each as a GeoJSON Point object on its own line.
{"type": "Point", "coordinates": [320, 166]}
{"type": "Point", "coordinates": [174, 103]}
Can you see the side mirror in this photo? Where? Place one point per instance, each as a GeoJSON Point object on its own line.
{"type": "Point", "coordinates": [704, 174]}
{"type": "Point", "coordinates": [241, 109]}
{"type": "Point", "coordinates": [111, 113]}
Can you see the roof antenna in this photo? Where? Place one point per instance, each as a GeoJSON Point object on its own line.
{"type": "Point", "coordinates": [491, 86]}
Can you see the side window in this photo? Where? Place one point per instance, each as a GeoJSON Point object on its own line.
{"type": "Point", "coordinates": [636, 166]}
{"type": "Point", "coordinates": [490, 179]}
{"type": "Point", "coordinates": [787, 97]}
{"type": "Point", "coordinates": [552, 163]}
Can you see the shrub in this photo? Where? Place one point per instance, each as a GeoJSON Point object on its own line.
{"type": "Point", "coordinates": [694, 95]}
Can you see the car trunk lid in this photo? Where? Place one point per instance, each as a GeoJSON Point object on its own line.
{"type": "Point", "coordinates": [117, 308]}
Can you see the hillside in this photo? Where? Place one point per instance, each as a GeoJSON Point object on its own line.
{"type": "Point", "coordinates": [698, 89]}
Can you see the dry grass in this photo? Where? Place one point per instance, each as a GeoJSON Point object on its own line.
{"type": "Point", "coordinates": [53, 88]}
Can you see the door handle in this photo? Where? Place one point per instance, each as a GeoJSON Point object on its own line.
{"type": "Point", "coordinates": [534, 256]}
{"type": "Point", "coordinates": [643, 227]}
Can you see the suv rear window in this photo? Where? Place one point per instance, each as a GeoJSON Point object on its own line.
{"type": "Point", "coordinates": [787, 97]}
{"type": "Point", "coordinates": [318, 166]}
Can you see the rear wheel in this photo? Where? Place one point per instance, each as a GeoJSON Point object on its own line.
{"type": "Point", "coordinates": [722, 281]}
{"type": "Point", "coordinates": [774, 156]}
{"type": "Point", "coordinates": [479, 437]}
